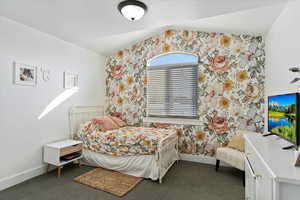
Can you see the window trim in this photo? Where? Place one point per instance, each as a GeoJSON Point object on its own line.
{"type": "Point", "coordinates": [172, 120]}
{"type": "Point", "coordinates": [166, 66]}
{"type": "Point", "coordinates": [173, 52]}
{"type": "Point", "coordinates": [177, 65]}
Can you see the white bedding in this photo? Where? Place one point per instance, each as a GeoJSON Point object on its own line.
{"type": "Point", "coordinates": [141, 165]}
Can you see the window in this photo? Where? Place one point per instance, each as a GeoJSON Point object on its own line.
{"type": "Point", "coordinates": [172, 86]}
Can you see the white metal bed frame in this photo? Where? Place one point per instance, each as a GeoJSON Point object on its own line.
{"type": "Point", "coordinates": [167, 151]}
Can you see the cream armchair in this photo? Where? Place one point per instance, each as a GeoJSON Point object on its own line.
{"type": "Point", "coordinates": [231, 156]}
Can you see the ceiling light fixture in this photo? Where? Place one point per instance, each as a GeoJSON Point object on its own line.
{"type": "Point", "coordinates": [132, 10]}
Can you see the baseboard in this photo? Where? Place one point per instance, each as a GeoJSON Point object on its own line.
{"type": "Point", "coordinates": [21, 177]}
{"type": "Point", "coordinates": [200, 159]}
{"type": "Point", "coordinates": [31, 173]}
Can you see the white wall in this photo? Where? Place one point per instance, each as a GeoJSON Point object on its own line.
{"type": "Point", "coordinates": [22, 135]}
{"type": "Point", "coordinates": [283, 51]}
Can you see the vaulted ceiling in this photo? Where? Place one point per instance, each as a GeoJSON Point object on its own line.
{"type": "Point", "coordinates": [97, 24]}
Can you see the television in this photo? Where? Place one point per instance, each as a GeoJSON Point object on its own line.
{"type": "Point", "coordinates": [283, 117]}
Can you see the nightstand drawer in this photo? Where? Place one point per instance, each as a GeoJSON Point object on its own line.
{"type": "Point", "coordinates": [70, 149]}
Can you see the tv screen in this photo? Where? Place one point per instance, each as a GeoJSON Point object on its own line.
{"type": "Point", "coordinates": [283, 116]}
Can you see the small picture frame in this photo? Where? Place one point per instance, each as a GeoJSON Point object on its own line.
{"type": "Point", "coordinates": [25, 74]}
{"type": "Point", "coordinates": [70, 80]}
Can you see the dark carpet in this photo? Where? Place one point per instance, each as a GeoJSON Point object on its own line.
{"type": "Point", "coordinates": [184, 181]}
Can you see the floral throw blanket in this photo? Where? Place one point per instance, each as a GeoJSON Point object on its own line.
{"type": "Point", "coordinates": [123, 141]}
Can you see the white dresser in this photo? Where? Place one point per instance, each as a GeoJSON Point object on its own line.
{"type": "Point", "coordinates": [270, 171]}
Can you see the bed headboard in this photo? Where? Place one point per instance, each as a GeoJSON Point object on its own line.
{"type": "Point", "coordinates": [81, 114]}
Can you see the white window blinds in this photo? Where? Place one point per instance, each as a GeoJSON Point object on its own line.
{"type": "Point", "coordinates": [172, 91]}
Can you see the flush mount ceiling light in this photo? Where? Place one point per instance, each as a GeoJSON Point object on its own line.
{"type": "Point", "coordinates": [132, 10]}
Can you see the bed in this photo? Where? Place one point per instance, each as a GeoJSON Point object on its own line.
{"type": "Point", "coordinates": [138, 151]}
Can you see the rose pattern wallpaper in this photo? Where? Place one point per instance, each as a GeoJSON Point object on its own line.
{"type": "Point", "coordinates": [230, 85]}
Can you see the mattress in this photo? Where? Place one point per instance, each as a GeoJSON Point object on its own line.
{"type": "Point", "coordinates": [125, 141]}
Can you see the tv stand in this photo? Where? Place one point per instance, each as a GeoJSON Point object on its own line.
{"type": "Point", "coordinates": [267, 134]}
{"type": "Point", "coordinates": [270, 171]}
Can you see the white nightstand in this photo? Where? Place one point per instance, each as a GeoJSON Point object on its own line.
{"type": "Point", "coordinates": [54, 152]}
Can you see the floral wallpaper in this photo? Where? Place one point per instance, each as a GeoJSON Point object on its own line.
{"type": "Point", "coordinates": [230, 83]}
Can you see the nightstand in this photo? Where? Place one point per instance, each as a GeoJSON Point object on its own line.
{"type": "Point", "coordinates": [56, 153]}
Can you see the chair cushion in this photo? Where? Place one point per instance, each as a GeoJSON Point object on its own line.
{"type": "Point", "coordinates": [237, 142]}
{"type": "Point", "coordinates": [232, 157]}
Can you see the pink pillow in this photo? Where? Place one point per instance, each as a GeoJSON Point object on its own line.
{"type": "Point", "coordinates": [118, 121]}
{"type": "Point", "coordinates": [161, 125]}
{"type": "Point", "coordinates": [116, 114]}
{"type": "Point", "coordinates": [106, 123]}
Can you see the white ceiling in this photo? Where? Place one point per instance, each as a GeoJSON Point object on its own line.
{"type": "Point", "coordinates": [97, 24]}
{"type": "Point", "coordinates": [253, 21]}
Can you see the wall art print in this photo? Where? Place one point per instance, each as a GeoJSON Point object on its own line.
{"type": "Point", "coordinates": [25, 74]}
{"type": "Point", "coordinates": [230, 84]}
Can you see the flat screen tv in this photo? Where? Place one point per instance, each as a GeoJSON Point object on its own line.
{"type": "Point", "coordinates": [283, 117]}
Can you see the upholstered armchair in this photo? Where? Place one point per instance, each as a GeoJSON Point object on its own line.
{"type": "Point", "coordinates": [233, 154]}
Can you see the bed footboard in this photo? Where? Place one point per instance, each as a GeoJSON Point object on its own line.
{"type": "Point", "coordinates": [167, 154]}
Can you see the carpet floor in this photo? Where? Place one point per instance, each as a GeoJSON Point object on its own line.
{"type": "Point", "coordinates": [184, 181]}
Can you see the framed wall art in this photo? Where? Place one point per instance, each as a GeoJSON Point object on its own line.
{"type": "Point", "coordinates": [25, 74]}
{"type": "Point", "coordinates": [70, 80]}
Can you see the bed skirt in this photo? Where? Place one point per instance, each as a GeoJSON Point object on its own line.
{"type": "Point", "coordinates": [140, 166]}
